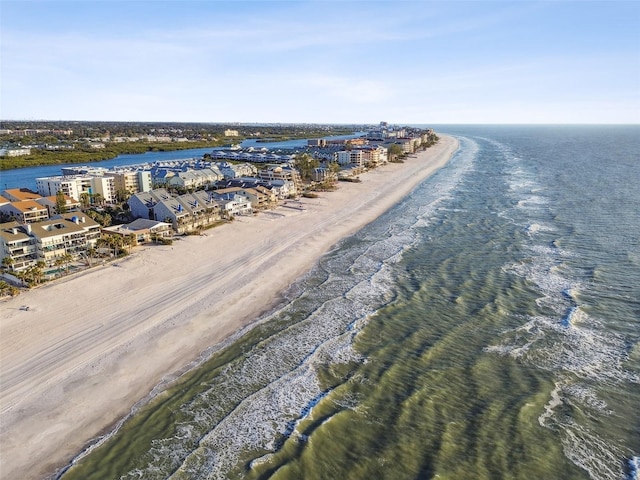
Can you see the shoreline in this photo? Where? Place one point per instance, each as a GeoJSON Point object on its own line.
{"type": "Point", "coordinates": [89, 349]}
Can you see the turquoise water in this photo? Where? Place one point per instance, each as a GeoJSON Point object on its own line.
{"type": "Point", "coordinates": [488, 327]}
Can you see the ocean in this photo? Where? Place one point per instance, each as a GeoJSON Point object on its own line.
{"type": "Point", "coordinates": [486, 327]}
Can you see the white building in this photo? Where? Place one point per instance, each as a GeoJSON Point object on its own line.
{"type": "Point", "coordinates": [75, 185]}
{"type": "Point", "coordinates": [350, 157]}
{"type": "Point", "coordinates": [233, 204]}
{"type": "Point", "coordinates": [14, 152]}
{"type": "Point", "coordinates": [131, 181]}
{"type": "Point", "coordinates": [48, 240]}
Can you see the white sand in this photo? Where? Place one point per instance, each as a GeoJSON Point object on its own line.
{"type": "Point", "coordinates": [91, 346]}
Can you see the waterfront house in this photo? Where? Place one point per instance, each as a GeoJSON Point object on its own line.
{"type": "Point", "coordinates": [203, 209]}
{"type": "Point", "coordinates": [141, 204]}
{"type": "Point", "coordinates": [232, 204]}
{"type": "Point", "coordinates": [373, 155]}
{"type": "Point", "coordinates": [170, 210]}
{"type": "Point", "coordinates": [283, 172]}
{"type": "Point", "coordinates": [259, 200]}
{"type": "Point", "coordinates": [141, 230]}
{"type": "Point", "coordinates": [321, 174]}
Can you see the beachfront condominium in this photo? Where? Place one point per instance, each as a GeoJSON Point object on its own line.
{"type": "Point", "coordinates": [76, 185]}
{"type": "Point", "coordinates": [48, 241]}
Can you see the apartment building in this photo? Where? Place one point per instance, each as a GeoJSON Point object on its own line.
{"type": "Point", "coordinates": [131, 181]}
{"type": "Point", "coordinates": [25, 211]}
{"type": "Point", "coordinates": [46, 241]}
{"type": "Point", "coordinates": [75, 185]}
{"type": "Point", "coordinates": [284, 173]}
{"type": "Point", "coordinates": [350, 157]}
{"type": "Point", "coordinates": [185, 213]}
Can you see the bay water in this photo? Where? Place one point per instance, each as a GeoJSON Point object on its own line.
{"type": "Point", "coordinates": [486, 327]}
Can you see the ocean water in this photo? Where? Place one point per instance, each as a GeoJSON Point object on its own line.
{"type": "Point", "coordinates": [486, 327]}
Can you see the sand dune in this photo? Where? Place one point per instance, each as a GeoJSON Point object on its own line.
{"type": "Point", "coordinates": [91, 346]}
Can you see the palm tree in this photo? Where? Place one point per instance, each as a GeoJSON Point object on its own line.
{"type": "Point", "coordinates": [32, 275]}
{"type": "Point", "coordinates": [114, 242]}
{"type": "Point", "coordinates": [129, 241]}
{"type": "Point", "coordinates": [38, 271]}
{"type": "Point", "coordinates": [6, 289]}
{"type": "Point", "coordinates": [67, 258]}
{"type": "Point", "coordinates": [306, 164]}
{"type": "Point", "coordinates": [58, 263]}
{"type": "Point", "coordinates": [7, 263]}
{"type": "Point", "coordinates": [394, 151]}
{"type": "Point", "coordinates": [85, 199]}
{"type": "Point", "coordinates": [91, 252]}
{"type": "Point", "coordinates": [334, 168]}
{"type": "Point", "coordinates": [122, 195]}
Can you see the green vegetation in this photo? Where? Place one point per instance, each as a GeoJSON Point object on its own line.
{"type": "Point", "coordinates": [88, 154]}
{"type": "Point", "coordinates": [305, 164]}
{"type": "Point", "coordinates": [71, 142]}
{"type": "Point", "coordinates": [61, 203]}
{"type": "Point", "coordinates": [8, 290]}
{"type": "Point", "coordinates": [394, 152]}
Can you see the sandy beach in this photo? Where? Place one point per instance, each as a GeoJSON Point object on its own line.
{"type": "Point", "coordinates": [92, 345]}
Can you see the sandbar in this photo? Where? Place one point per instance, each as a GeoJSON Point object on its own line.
{"type": "Point", "coordinates": [93, 344]}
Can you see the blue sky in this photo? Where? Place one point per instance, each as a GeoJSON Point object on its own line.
{"type": "Point", "coordinates": [321, 61]}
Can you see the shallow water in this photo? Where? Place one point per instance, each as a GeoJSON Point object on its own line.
{"type": "Point", "coordinates": [488, 326]}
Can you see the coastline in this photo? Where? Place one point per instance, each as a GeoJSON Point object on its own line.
{"type": "Point", "coordinates": [89, 349]}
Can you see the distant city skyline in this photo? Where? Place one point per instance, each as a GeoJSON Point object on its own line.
{"type": "Point", "coordinates": [405, 62]}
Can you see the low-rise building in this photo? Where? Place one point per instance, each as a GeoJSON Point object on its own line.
{"type": "Point", "coordinates": [25, 211]}
{"type": "Point", "coordinates": [373, 155]}
{"type": "Point", "coordinates": [282, 172]}
{"type": "Point", "coordinates": [322, 174]}
{"type": "Point", "coordinates": [75, 185]}
{"type": "Point", "coordinates": [18, 245]}
{"type": "Point", "coordinates": [233, 204]}
{"type": "Point", "coordinates": [14, 152]}
{"type": "Point", "coordinates": [185, 213]}
{"type": "Point", "coordinates": [19, 194]}
{"type": "Point", "coordinates": [259, 200]}
{"type": "Point", "coordinates": [47, 241]}
{"type": "Point", "coordinates": [142, 230]}
{"type": "Point", "coordinates": [350, 157]}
